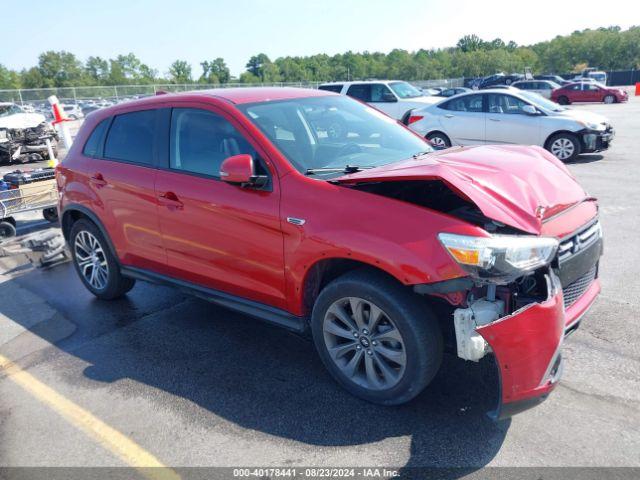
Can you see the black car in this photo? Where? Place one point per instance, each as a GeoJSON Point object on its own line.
{"type": "Point", "coordinates": [450, 92]}
{"type": "Point", "coordinates": [554, 78]}
{"type": "Point", "coordinates": [499, 79]}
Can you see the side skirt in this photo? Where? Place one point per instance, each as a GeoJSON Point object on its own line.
{"type": "Point", "coordinates": [255, 309]}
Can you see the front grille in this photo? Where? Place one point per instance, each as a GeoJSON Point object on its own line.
{"type": "Point", "coordinates": [578, 242]}
{"type": "Point", "coordinates": [575, 290]}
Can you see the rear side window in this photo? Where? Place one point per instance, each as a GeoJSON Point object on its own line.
{"type": "Point", "coordinates": [130, 137]}
{"type": "Point", "coordinates": [468, 103]}
{"type": "Point", "coordinates": [93, 146]}
{"type": "Point", "coordinates": [360, 91]}
{"type": "Point", "coordinates": [331, 88]}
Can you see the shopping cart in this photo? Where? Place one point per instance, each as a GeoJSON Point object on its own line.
{"type": "Point", "coordinates": [40, 195]}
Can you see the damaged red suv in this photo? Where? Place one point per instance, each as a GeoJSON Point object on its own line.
{"type": "Point", "coordinates": [317, 213]}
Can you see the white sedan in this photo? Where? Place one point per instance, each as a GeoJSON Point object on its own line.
{"type": "Point", "coordinates": [512, 117]}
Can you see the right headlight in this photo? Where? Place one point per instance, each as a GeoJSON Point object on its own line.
{"type": "Point", "coordinates": [499, 258]}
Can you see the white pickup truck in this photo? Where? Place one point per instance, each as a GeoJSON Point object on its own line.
{"type": "Point", "coordinates": [393, 97]}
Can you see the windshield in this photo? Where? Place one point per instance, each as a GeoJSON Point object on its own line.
{"type": "Point", "coordinates": [405, 90]}
{"type": "Point", "coordinates": [542, 102]}
{"type": "Point", "coordinates": [333, 132]}
{"type": "Point", "coordinates": [6, 110]}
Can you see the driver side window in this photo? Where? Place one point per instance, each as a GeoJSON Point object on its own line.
{"type": "Point", "coordinates": [200, 141]}
{"type": "Point", "coordinates": [381, 93]}
{"type": "Point", "coordinates": [499, 103]}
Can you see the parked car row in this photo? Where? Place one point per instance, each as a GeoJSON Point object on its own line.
{"type": "Point", "coordinates": [320, 214]}
{"type": "Point", "coordinates": [521, 113]}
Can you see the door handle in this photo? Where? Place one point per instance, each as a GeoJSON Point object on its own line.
{"type": "Point", "coordinates": [448, 115]}
{"type": "Point", "coordinates": [494, 119]}
{"type": "Point", "coordinates": [171, 201]}
{"type": "Point", "coordinates": [97, 180]}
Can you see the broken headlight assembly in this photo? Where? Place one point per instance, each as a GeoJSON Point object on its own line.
{"type": "Point", "coordinates": [499, 258]}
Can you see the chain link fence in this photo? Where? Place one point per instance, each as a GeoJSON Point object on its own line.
{"type": "Point", "coordinates": [122, 92]}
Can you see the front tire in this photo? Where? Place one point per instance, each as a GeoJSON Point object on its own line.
{"type": "Point", "coordinates": [609, 99]}
{"type": "Point", "coordinates": [94, 262]}
{"type": "Point", "coordinates": [439, 140]}
{"type": "Point", "coordinates": [563, 100]}
{"type": "Point", "coordinates": [380, 341]}
{"type": "Point", "coordinates": [565, 146]}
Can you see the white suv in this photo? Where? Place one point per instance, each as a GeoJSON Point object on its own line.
{"type": "Point", "coordinates": [512, 117]}
{"type": "Point", "coordinates": [393, 97]}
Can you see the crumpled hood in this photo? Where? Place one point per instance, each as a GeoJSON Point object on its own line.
{"type": "Point", "coordinates": [21, 120]}
{"type": "Point", "coordinates": [515, 185]}
{"type": "Point", "coordinates": [584, 116]}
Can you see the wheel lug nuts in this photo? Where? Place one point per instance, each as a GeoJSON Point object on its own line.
{"type": "Point", "coordinates": [355, 334]}
{"type": "Point", "coordinates": [374, 343]}
{"type": "Point", "coordinates": [358, 347]}
{"type": "Point", "coordinates": [369, 352]}
{"type": "Point", "coordinates": [365, 332]}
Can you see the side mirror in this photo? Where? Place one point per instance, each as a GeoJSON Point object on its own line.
{"type": "Point", "coordinates": [389, 97]}
{"type": "Point", "coordinates": [239, 170]}
{"type": "Point", "coordinates": [530, 110]}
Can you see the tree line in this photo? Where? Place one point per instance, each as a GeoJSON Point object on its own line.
{"type": "Point", "coordinates": [608, 48]}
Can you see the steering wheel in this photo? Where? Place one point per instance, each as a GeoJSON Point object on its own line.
{"type": "Point", "coordinates": [349, 149]}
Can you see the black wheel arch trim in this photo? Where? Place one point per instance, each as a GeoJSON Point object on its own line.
{"type": "Point", "coordinates": [91, 216]}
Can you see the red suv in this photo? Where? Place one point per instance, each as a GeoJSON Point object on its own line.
{"type": "Point", "coordinates": [317, 213]}
{"type": "Point", "coordinates": [588, 92]}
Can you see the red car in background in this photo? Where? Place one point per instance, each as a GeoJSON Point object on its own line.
{"type": "Point", "coordinates": [385, 250]}
{"type": "Point", "coordinates": [588, 92]}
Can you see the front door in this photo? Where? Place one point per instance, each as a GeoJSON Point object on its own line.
{"type": "Point", "coordinates": [219, 235]}
{"type": "Point", "coordinates": [508, 123]}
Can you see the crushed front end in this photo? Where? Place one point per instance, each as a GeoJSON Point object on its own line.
{"type": "Point", "coordinates": [24, 144]}
{"type": "Point", "coordinates": [524, 295]}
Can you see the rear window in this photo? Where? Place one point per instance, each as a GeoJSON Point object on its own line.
{"type": "Point", "coordinates": [130, 137]}
{"type": "Point", "coordinates": [94, 143]}
{"type": "Point", "coordinates": [331, 88]}
{"type": "Point", "coordinates": [468, 103]}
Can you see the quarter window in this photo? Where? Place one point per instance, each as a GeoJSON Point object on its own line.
{"type": "Point", "coordinates": [200, 141]}
{"type": "Point", "coordinates": [130, 137]}
{"type": "Point", "coordinates": [93, 146]}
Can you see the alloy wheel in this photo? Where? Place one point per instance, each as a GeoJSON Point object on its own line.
{"type": "Point", "coordinates": [609, 99]}
{"type": "Point", "coordinates": [438, 141]}
{"type": "Point", "coordinates": [91, 260]}
{"type": "Point", "coordinates": [364, 343]}
{"type": "Point", "coordinates": [563, 148]}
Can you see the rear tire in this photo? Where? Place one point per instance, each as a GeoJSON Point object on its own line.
{"type": "Point", "coordinates": [609, 99]}
{"type": "Point", "coordinates": [565, 146]}
{"type": "Point", "coordinates": [95, 264]}
{"type": "Point", "coordinates": [378, 340]}
{"type": "Point", "coordinates": [439, 140]}
{"type": "Point", "coordinates": [563, 100]}
{"type": "Point", "coordinates": [7, 230]}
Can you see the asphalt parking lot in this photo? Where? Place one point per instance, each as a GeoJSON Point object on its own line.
{"type": "Point", "coordinates": [192, 384]}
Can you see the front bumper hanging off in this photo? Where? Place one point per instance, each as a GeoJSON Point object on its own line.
{"type": "Point", "coordinates": [527, 349]}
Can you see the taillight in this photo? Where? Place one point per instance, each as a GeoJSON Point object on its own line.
{"type": "Point", "coordinates": [414, 118]}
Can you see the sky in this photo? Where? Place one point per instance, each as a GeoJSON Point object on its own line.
{"type": "Point", "coordinates": [161, 31]}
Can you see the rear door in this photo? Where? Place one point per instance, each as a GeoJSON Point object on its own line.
{"type": "Point", "coordinates": [218, 235]}
{"type": "Point", "coordinates": [122, 176]}
{"type": "Point", "coordinates": [508, 123]}
{"type": "Point", "coordinates": [463, 119]}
